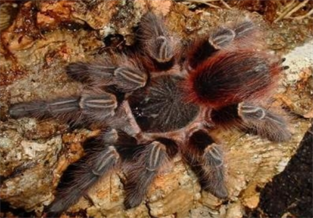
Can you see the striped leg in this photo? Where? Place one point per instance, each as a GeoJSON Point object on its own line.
{"type": "Point", "coordinates": [266, 123]}
{"type": "Point", "coordinates": [212, 173]}
{"type": "Point", "coordinates": [91, 106]}
{"type": "Point", "coordinates": [155, 39]}
{"type": "Point", "coordinates": [140, 176]}
{"type": "Point", "coordinates": [99, 161]}
{"type": "Point", "coordinates": [218, 40]}
{"type": "Point", "coordinates": [126, 78]}
{"type": "Point", "coordinates": [206, 159]}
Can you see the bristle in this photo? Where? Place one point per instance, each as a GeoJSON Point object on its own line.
{"type": "Point", "coordinates": [151, 26]}
{"type": "Point", "coordinates": [197, 143]}
{"type": "Point", "coordinates": [37, 109]}
{"type": "Point", "coordinates": [91, 71]}
{"type": "Point", "coordinates": [128, 79]}
{"type": "Point", "coordinates": [213, 156]}
{"type": "Point", "coordinates": [153, 111]}
{"type": "Point", "coordinates": [201, 49]}
{"type": "Point", "coordinates": [222, 38]}
{"type": "Point", "coordinates": [66, 109]}
{"type": "Point", "coordinates": [213, 175]}
{"type": "Point", "coordinates": [228, 78]}
{"type": "Point", "coordinates": [97, 105]}
{"type": "Point", "coordinates": [98, 162]}
{"type": "Point", "coordinates": [267, 124]}
{"type": "Point", "coordinates": [213, 181]}
{"type": "Point", "coordinates": [227, 117]}
{"type": "Point", "coordinates": [141, 175]}
{"type": "Point", "coordinates": [155, 40]}
{"type": "Point", "coordinates": [244, 29]}
{"type": "Point", "coordinates": [206, 159]}
{"type": "Point", "coordinates": [63, 105]}
{"type": "Point", "coordinates": [241, 35]}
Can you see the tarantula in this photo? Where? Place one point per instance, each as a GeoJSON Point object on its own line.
{"type": "Point", "coordinates": [163, 98]}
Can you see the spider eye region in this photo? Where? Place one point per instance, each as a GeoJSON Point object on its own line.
{"type": "Point", "coordinates": [161, 107]}
{"type": "Point", "coordinates": [231, 77]}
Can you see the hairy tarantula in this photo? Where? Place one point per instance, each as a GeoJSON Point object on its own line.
{"type": "Point", "coordinates": [163, 98]}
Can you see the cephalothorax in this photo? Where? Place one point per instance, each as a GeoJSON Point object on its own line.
{"type": "Point", "coordinates": [161, 99]}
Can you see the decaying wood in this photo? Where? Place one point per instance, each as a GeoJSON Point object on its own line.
{"type": "Point", "coordinates": [35, 153]}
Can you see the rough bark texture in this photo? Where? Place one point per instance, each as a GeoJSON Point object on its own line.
{"type": "Point", "coordinates": [44, 36]}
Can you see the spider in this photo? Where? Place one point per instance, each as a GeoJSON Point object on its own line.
{"type": "Point", "coordinates": [162, 99]}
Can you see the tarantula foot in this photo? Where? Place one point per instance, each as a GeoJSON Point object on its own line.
{"type": "Point", "coordinates": [93, 71]}
{"type": "Point", "coordinates": [155, 39]}
{"type": "Point", "coordinates": [206, 159]}
{"type": "Point", "coordinates": [28, 109]}
{"type": "Point", "coordinates": [142, 175]}
{"type": "Point", "coordinates": [216, 184]}
{"type": "Point", "coordinates": [99, 160]}
{"type": "Point", "coordinates": [213, 171]}
{"type": "Point", "coordinates": [266, 123]}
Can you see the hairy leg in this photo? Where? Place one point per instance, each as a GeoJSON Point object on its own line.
{"type": "Point", "coordinates": [253, 117]}
{"type": "Point", "coordinates": [91, 105]}
{"type": "Point", "coordinates": [206, 159]}
{"type": "Point", "coordinates": [142, 173]}
{"type": "Point", "coordinates": [155, 39]}
{"type": "Point", "coordinates": [99, 161]}
{"type": "Point", "coordinates": [219, 39]}
{"type": "Point", "coordinates": [125, 76]}
{"type": "Point", "coordinates": [266, 123]}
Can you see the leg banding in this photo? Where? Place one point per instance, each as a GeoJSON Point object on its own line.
{"type": "Point", "coordinates": [108, 159]}
{"type": "Point", "coordinates": [66, 105]}
{"type": "Point", "coordinates": [161, 49]}
{"type": "Point", "coordinates": [206, 158]}
{"type": "Point", "coordinates": [213, 156]}
{"type": "Point", "coordinates": [141, 176]}
{"type": "Point", "coordinates": [213, 171]}
{"type": "Point", "coordinates": [155, 40]}
{"type": "Point", "coordinates": [98, 162]}
{"type": "Point", "coordinates": [222, 38]}
{"type": "Point", "coordinates": [126, 78]}
{"type": "Point", "coordinates": [155, 156]}
{"type": "Point", "coordinates": [91, 71]}
{"type": "Point", "coordinates": [251, 112]}
{"type": "Point", "coordinates": [244, 29]}
{"type": "Point", "coordinates": [99, 105]}
{"type": "Point", "coordinates": [129, 79]}
{"type": "Point", "coordinates": [266, 123]}
{"type": "Point", "coordinates": [45, 109]}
